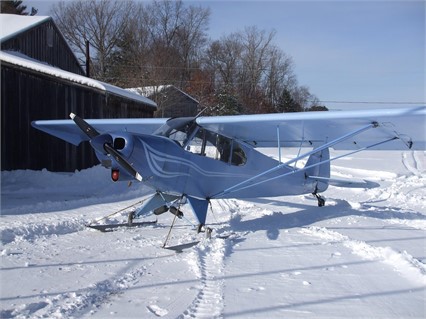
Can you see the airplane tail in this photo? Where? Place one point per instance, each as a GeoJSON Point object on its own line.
{"type": "Point", "coordinates": [318, 166]}
{"type": "Point", "coordinates": [318, 178]}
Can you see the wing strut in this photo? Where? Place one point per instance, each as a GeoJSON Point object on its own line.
{"type": "Point", "coordinates": [303, 169]}
{"type": "Point", "coordinates": [241, 186]}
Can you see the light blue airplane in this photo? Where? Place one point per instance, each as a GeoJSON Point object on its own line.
{"type": "Point", "coordinates": [205, 158]}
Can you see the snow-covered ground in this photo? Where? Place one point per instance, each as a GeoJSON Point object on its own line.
{"type": "Point", "coordinates": [363, 255]}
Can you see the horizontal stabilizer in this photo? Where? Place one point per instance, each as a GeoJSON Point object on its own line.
{"type": "Point", "coordinates": [348, 183]}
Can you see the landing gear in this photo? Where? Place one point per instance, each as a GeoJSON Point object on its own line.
{"type": "Point", "coordinates": [130, 218]}
{"type": "Point", "coordinates": [321, 200]}
{"type": "Point", "coordinates": [202, 228]}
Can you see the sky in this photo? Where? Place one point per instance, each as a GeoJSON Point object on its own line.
{"type": "Point", "coordinates": [345, 51]}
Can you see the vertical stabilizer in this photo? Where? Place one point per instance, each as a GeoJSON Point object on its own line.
{"type": "Point", "coordinates": [319, 166]}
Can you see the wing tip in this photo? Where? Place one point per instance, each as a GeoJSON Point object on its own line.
{"type": "Point", "coordinates": [72, 116]}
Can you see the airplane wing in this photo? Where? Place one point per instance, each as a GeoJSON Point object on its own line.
{"type": "Point", "coordinates": [405, 128]}
{"type": "Point", "coordinates": [68, 131]}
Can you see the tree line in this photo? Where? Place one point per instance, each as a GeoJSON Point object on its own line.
{"type": "Point", "coordinates": [138, 44]}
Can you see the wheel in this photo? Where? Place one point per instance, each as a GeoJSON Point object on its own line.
{"type": "Point", "coordinates": [321, 201]}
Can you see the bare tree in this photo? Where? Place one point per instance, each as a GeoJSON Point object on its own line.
{"type": "Point", "coordinates": [224, 59]}
{"type": "Point", "coordinates": [278, 74]}
{"type": "Point", "coordinates": [256, 45]}
{"type": "Point", "coordinates": [179, 34]}
{"type": "Point", "coordinates": [102, 23]}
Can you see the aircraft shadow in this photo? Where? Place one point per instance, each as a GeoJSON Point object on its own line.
{"type": "Point", "coordinates": [308, 215]}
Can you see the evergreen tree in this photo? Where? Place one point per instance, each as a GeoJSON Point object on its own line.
{"type": "Point", "coordinates": [16, 7]}
{"type": "Point", "coordinates": [226, 104]}
{"type": "Point", "coordinates": [286, 103]}
{"type": "Point", "coordinates": [317, 108]}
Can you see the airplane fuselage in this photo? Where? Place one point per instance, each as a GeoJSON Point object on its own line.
{"type": "Point", "coordinates": [167, 166]}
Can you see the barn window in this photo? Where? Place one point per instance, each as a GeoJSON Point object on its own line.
{"type": "Point", "coordinates": [49, 38]}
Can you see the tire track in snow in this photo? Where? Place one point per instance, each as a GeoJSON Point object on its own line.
{"type": "Point", "coordinates": [210, 262]}
{"type": "Point", "coordinates": [208, 259]}
{"type": "Point", "coordinates": [402, 262]}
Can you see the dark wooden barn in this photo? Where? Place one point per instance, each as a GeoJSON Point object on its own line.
{"type": "Point", "coordinates": [41, 79]}
{"type": "Point", "coordinates": [171, 101]}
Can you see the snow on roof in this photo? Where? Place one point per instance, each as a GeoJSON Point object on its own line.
{"type": "Point", "coordinates": [128, 94]}
{"type": "Point", "coordinates": [13, 24]}
{"type": "Point", "coordinates": [24, 61]}
{"type": "Point", "coordinates": [150, 90]}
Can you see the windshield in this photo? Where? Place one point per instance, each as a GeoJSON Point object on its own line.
{"type": "Point", "coordinates": [176, 128]}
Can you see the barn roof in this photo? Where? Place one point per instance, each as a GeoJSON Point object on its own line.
{"type": "Point", "coordinates": [23, 61]}
{"type": "Point", "coordinates": [14, 24]}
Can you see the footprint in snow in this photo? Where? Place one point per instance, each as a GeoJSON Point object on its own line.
{"type": "Point", "coordinates": [159, 312]}
{"type": "Point", "coordinates": [336, 254]}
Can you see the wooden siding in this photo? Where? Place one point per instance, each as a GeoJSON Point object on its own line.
{"type": "Point", "coordinates": [27, 96]}
{"type": "Point", "coordinates": [45, 43]}
{"type": "Point", "coordinates": [174, 103]}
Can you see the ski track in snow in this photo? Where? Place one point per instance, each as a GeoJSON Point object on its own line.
{"type": "Point", "coordinates": [413, 162]}
{"type": "Point", "coordinates": [74, 304]}
{"type": "Point", "coordinates": [408, 266]}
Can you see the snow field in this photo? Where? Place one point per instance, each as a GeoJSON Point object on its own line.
{"type": "Point", "coordinates": [363, 255]}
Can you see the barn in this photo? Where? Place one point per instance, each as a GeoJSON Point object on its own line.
{"type": "Point", "coordinates": [42, 79]}
{"type": "Point", "coordinates": [171, 101]}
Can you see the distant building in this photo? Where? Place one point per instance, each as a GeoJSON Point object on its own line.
{"type": "Point", "coordinates": [171, 101]}
{"type": "Point", "coordinates": [42, 79]}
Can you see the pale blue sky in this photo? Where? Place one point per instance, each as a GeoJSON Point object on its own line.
{"type": "Point", "coordinates": [342, 50]}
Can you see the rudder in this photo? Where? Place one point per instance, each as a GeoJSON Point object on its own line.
{"type": "Point", "coordinates": [318, 165]}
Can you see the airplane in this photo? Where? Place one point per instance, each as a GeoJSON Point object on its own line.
{"type": "Point", "coordinates": [198, 159]}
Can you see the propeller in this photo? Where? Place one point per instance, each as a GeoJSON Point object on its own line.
{"type": "Point", "coordinates": [84, 126]}
{"type": "Point", "coordinates": [91, 132]}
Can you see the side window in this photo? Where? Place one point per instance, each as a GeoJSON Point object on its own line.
{"type": "Point", "coordinates": [230, 151]}
{"type": "Point", "coordinates": [204, 144]}
{"type": "Point", "coordinates": [238, 156]}
{"type": "Point", "coordinates": [218, 147]}
{"type": "Point", "coordinates": [224, 147]}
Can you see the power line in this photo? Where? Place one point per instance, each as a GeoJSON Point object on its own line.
{"type": "Point", "coordinates": [371, 102]}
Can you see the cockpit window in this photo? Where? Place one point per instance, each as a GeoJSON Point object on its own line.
{"type": "Point", "coordinates": [198, 140]}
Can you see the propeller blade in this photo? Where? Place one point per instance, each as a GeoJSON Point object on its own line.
{"type": "Point", "coordinates": [122, 161]}
{"type": "Point", "coordinates": [84, 126]}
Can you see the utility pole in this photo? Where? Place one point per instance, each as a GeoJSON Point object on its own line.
{"type": "Point", "coordinates": [87, 58]}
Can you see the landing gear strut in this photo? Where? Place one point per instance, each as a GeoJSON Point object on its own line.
{"type": "Point", "coordinates": [130, 218]}
{"type": "Point", "coordinates": [202, 228]}
{"type": "Point", "coordinates": [321, 200]}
